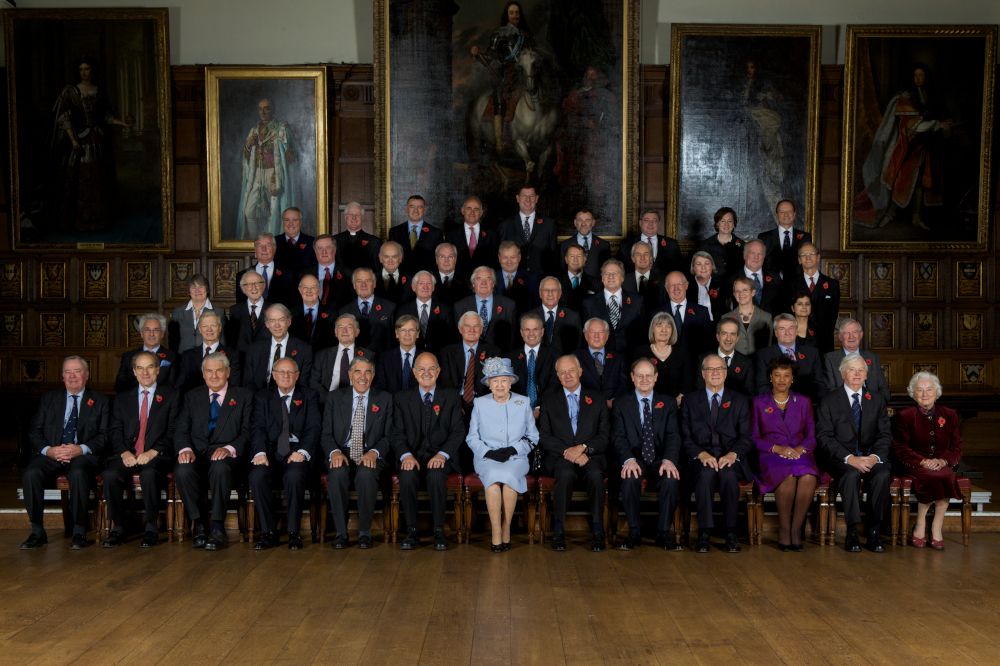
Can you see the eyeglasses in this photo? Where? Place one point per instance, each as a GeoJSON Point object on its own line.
{"type": "Point", "coordinates": [713, 369]}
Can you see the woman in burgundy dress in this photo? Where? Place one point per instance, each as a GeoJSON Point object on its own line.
{"type": "Point", "coordinates": [927, 444]}
{"type": "Point", "coordinates": [785, 436]}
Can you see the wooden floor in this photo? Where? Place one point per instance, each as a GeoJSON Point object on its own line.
{"type": "Point", "coordinates": [468, 606]}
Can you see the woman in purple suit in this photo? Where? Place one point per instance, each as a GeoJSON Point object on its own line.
{"type": "Point", "coordinates": [785, 436]}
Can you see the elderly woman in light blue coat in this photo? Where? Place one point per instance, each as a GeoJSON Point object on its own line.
{"type": "Point", "coordinates": [502, 433]}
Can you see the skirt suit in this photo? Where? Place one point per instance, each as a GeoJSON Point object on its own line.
{"type": "Point", "coordinates": [496, 426]}
{"type": "Point", "coordinates": [792, 427]}
{"type": "Point", "coordinates": [917, 435]}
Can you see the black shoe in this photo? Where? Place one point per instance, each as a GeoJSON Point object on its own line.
{"type": "Point", "coordinates": [496, 548]}
{"type": "Point", "coordinates": [34, 541]}
{"type": "Point", "coordinates": [559, 542]}
{"type": "Point", "coordinates": [672, 543]}
{"type": "Point", "coordinates": [410, 542]}
{"type": "Point", "coordinates": [630, 543]}
{"type": "Point", "coordinates": [597, 543]}
{"type": "Point", "coordinates": [200, 539]}
{"type": "Point", "coordinates": [267, 540]}
{"type": "Point", "coordinates": [795, 547]}
{"type": "Point", "coordinates": [149, 539]}
{"type": "Point", "coordinates": [294, 541]}
{"type": "Point", "coordinates": [339, 543]}
{"type": "Point", "coordinates": [114, 540]}
{"type": "Point", "coordinates": [217, 541]}
{"type": "Point", "coordinates": [704, 543]}
{"type": "Point", "coordinates": [79, 542]}
{"type": "Point", "coordinates": [364, 542]}
{"type": "Point", "coordinates": [440, 542]}
{"type": "Point", "coordinates": [732, 543]}
{"type": "Point", "coordinates": [874, 542]}
{"type": "Point", "coordinates": [851, 543]}
{"type": "Point", "coordinates": [785, 547]}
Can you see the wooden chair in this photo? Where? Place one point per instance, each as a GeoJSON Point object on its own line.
{"type": "Point", "coordinates": [645, 496]}
{"type": "Point", "coordinates": [472, 485]}
{"type": "Point", "coordinates": [171, 492]}
{"type": "Point", "coordinates": [312, 499]}
{"type": "Point", "coordinates": [546, 485]}
{"type": "Point", "coordinates": [454, 485]}
{"type": "Point", "coordinates": [182, 523]}
{"type": "Point", "coordinates": [62, 485]}
{"type": "Point", "coordinates": [352, 497]}
{"type": "Point", "coordinates": [822, 499]}
{"type": "Point", "coordinates": [964, 486]}
{"type": "Point", "coordinates": [895, 489]}
{"type": "Point", "coordinates": [748, 494]}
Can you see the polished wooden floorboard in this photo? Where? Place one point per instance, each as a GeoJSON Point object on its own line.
{"type": "Point", "coordinates": [174, 605]}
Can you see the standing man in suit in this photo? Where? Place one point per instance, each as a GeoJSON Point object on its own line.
{"type": "Point", "coordinates": [153, 329]}
{"type": "Point", "coordinates": [391, 283]}
{"type": "Point", "coordinates": [355, 443]}
{"type": "Point", "coordinates": [577, 286]}
{"type": "Point", "coordinates": [739, 367]}
{"type": "Point", "coordinates": [667, 255]}
{"type": "Point", "coordinates": [334, 280]}
{"type": "Point", "coordinates": [451, 286]}
{"type": "Point", "coordinates": [286, 424]}
{"type": "Point", "coordinates": [574, 430]}
{"type": "Point", "coordinates": [475, 244]}
{"type": "Point", "coordinates": [331, 366]}
{"type": "Point", "coordinates": [312, 322]}
{"type": "Point", "coordinates": [533, 362]}
{"type": "Point", "coordinates": [437, 325]}
{"type": "Point", "coordinates": [648, 444]}
{"type": "Point", "coordinates": [691, 321]}
{"type": "Point", "coordinates": [850, 334]}
{"type": "Point", "coordinates": [190, 376]}
{"type": "Point", "coordinates": [534, 235]}
{"type": "Point", "coordinates": [515, 283]}
{"type": "Point", "coordinates": [140, 440]}
{"type": "Point", "coordinates": [645, 281]}
{"type": "Point", "coordinates": [603, 368]}
{"type": "Point", "coordinates": [373, 313]}
{"type": "Point", "coordinates": [245, 324]}
{"type": "Point", "coordinates": [781, 244]}
{"type": "Point", "coordinates": [853, 435]}
{"type": "Point", "coordinates": [462, 363]}
{"type": "Point", "coordinates": [597, 249]}
{"type": "Point", "coordinates": [394, 368]}
{"type": "Point", "coordinates": [358, 248]}
{"type": "Point", "coordinates": [497, 312]}
{"type": "Point", "coordinates": [619, 308]}
{"type": "Point", "coordinates": [427, 431]}
{"type": "Point", "coordinates": [562, 325]}
{"type": "Point", "coordinates": [211, 439]}
{"type": "Point", "coordinates": [715, 433]}
{"type": "Point", "coordinates": [260, 359]}
{"type": "Point", "coordinates": [294, 249]}
{"type": "Point", "coordinates": [805, 358]}
{"type": "Point", "coordinates": [279, 283]}
{"type": "Point", "coordinates": [416, 237]}
{"type": "Point", "coordinates": [824, 292]}
{"type": "Point", "coordinates": [68, 435]}
{"type": "Point", "coordinates": [767, 284]}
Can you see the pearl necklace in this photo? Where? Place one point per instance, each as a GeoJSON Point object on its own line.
{"type": "Point", "coordinates": [781, 403]}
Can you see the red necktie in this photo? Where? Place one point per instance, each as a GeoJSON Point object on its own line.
{"type": "Point", "coordinates": [472, 242]}
{"type": "Point", "coordinates": [326, 285]}
{"type": "Point", "coordinates": [140, 441]}
{"type": "Point", "coordinates": [812, 285]}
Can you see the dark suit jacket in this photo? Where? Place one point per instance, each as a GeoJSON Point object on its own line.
{"type": "Point", "coordinates": [825, 305]}
{"type": "Point", "coordinates": [632, 327]}
{"type": "Point", "coordinates": [321, 374]}
{"type": "Point", "coordinates": [389, 370]}
{"type": "Point", "coordinates": [721, 300]}
{"type": "Point", "coordinates": [340, 290]}
{"type": "Point", "coordinates": [444, 432]}
{"type": "Point", "coordinates": [322, 333]}
{"type": "Point", "coordinates": [626, 426]}
{"type": "Point", "coordinates": [258, 357]}
{"type": "Point", "coordinates": [190, 374]}
{"type": "Point", "coordinates": [282, 287]}
{"type": "Point", "coordinates": [420, 257]}
{"type": "Point", "coordinates": [452, 363]}
{"type": "Point", "coordinates": [231, 429]}
{"type": "Point", "coordinates": [555, 432]}
{"type": "Point", "coordinates": [503, 319]}
{"type": "Point", "coordinates": [574, 298]}
{"type": "Point", "coordinates": [487, 246]}
{"type": "Point", "coordinates": [305, 417]}
{"type": "Point", "coordinates": [835, 432]}
{"type": "Point", "coordinates": [358, 251]}
{"type": "Point", "coordinates": [523, 291]}
{"type": "Point", "coordinates": [613, 383]}
{"type": "Point", "coordinates": [538, 254]}
{"type": "Point", "coordinates": [123, 427]}
{"type": "Point", "coordinates": [668, 254]}
{"type": "Point", "coordinates": [294, 258]}
{"type": "Point", "coordinates": [567, 331]}
{"type": "Point", "coordinates": [806, 375]}
{"type": "Point", "coordinates": [441, 328]}
{"type": "Point", "coordinates": [545, 370]}
{"type": "Point", "coordinates": [600, 251]}
{"type": "Point", "coordinates": [457, 289]}
{"type": "Point", "coordinates": [91, 428]}
{"type": "Point", "coordinates": [733, 427]}
{"type": "Point", "coordinates": [781, 261]}
{"type": "Point", "coordinates": [336, 433]}
{"type": "Point", "coordinates": [169, 368]}
{"type": "Point", "coordinates": [239, 331]}
{"type": "Point", "coordinates": [697, 333]}
{"type": "Point", "coordinates": [739, 378]}
{"type": "Point", "coordinates": [377, 331]}
{"type": "Point", "coordinates": [652, 293]}
{"type": "Point", "coordinates": [401, 292]}
{"type": "Point", "coordinates": [831, 380]}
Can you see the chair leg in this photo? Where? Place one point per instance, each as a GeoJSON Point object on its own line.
{"type": "Point", "coordinates": [904, 516]}
{"type": "Point", "coordinates": [171, 491]}
{"type": "Point", "coordinates": [467, 498]}
{"type": "Point", "coordinates": [894, 499]}
{"type": "Point", "coordinates": [394, 515]}
{"type": "Point", "coordinates": [543, 515]}
{"type": "Point", "coordinates": [966, 516]}
{"type": "Point", "coordinates": [251, 510]}
{"type": "Point", "coordinates": [531, 502]}
{"type": "Point", "coordinates": [178, 517]}
{"type": "Point", "coordinates": [604, 514]}
{"type": "Point", "coordinates": [324, 508]}
{"type": "Point", "coordinates": [822, 515]}
{"type": "Point", "coordinates": [459, 517]}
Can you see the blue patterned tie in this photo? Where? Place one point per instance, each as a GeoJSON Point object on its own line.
{"type": "Point", "coordinates": [574, 410]}
{"type": "Point", "coordinates": [648, 441]}
{"type": "Point", "coordinates": [550, 322]}
{"type": "Point", "coordinates": [856, 413]}
{"type": "Point", "coordinates": [69, 429]}
{"type": "Point", "coordinates": [213, 413]}
{"type": "Point", "coordinates": [484, 315]}
{"type": "Point", "coordinates": [407, 371]}
{"type": "Point", "coordinates": [532, 386]}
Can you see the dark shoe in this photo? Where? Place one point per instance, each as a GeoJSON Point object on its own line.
{"type": "Point", "coordinates": [795, 547]}
{"type": "Point", "coordinates": [852, 544]}
{"type": "Point", "coordinates": [149, 539]}
{"type": "Point", "coordinates": [217, 541]}
{"type": "Point", "coordinates": [668, 541]}
{"type": "Point", "coordinates": [630, 543]}
{"type": "Point", "coordinates": [506, 546]}
{"type": "Point", "coordinates": [339, 543]}
{"type": "Point", "coordinates": [440, 542]}
{"type": "Point", "coordinates": [496, 547]}
{"type": "Point", "coordinates": [785, 547]}
{"type": "Point", "coordinates": [597, 544]}
{"type": "Point", "coordinates": [294, 541]}
{"type": "Point", "coordinates": [559, 542]}
{"type": "Point", "coordinates": [704, 543]}
{"type": "Point", "coordinates": [732, 543]}
{"type": "Point", "coordinates": [114, 540]}
{"type": "Point", "coordinates": [364, 542]}
{"type": "Point", "coordinates": [267, 540]}
{"type": "Point", "coordinates": [937, 545]}
{"type": "Point", "coordinates": [410, 542]}
{"type": "Point", "coordinates": [874, 543]}
{"type": "Point", "coordinates": [34, 541]}
{"type": "Point", "coordinates": [79, 542]}
{"type": "Point", "coordinates": [200, 539]}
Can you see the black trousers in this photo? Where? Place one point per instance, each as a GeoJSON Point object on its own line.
{"type": "Point", "coordinates": [118, 479]}
{"type": "Point", "coordinates": [365, 482]}
{"type": "Point", "coordinates": [567, 475]}
{"type": "Point", "coordinates": [292, 477]}
{"type": "Point", "coordinates": [727, 482]}
{"type": "Point", "coordinates": [192, 478]}
{"type": "Point", "coordinates": [851, 483]}
{"type": "Point", "coordinates": [667, 494]}
{"type": "Point", "coordinates": [43, 471]}
{"type": "Point", "coordinates": [436, 482]}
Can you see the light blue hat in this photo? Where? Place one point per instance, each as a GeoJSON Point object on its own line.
{"type": "Point", "coordinates": [497, 367]}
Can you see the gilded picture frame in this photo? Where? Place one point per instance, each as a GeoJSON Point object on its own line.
{"type": "Point", "coordinates": [267, 151]}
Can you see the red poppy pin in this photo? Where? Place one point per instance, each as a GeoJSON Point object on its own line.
{"type": "Point", "coordinates": [482, 356]}
{"type": "Point", "coordinates": [868, 396]}
{"type": "Point", "coordinates": [802, 356]}
{"type": "Point", "coordinates": [232, 402]}
{"type": "Point", "coordinates": [159, 398]}
{"type": "Point", "coordinates": [277, 273]}
{"type": "Point", "coordinates": [339, 276]}
{"type": "Point", "coordinates": [297, 403]}
{"type": "Point", "coordinates": [713, 293]}
{"type": "Point", "coordinates": [538, 220]}
{"type": "Point", "coordinates": [659, 405]}
{"type": "Point", "coordinates": [587, 399]}
{"type": "Point", "coordinates": [769, 410]}
{"type": "Point", "coordinates": [654, 361]}
{"type": "Point", "coordinates": [609, 355]}
{"type": "Point", "coordinates": [597, 241]}
{"type": "Point", "coordinates": [826, 285]}
{"type": "Point", "coordinates": [295, 352]}
{"type": "Point", "coordinates": [359, 353]}
{"type": "Point", "coordinates": [90, 402]}
{"type": "Point", "coordinates": [426, 230]}
{"type": "Point", "coordinates": [940, 421]}
{"type": "Point", "coordinates": [364, 242]}
{"type": "Point", "coordinates": [798, 236]}
{"type": "Point", "coordinates": [162, 355]}
{"type": "Point", "coordinates": [691, 311]}
{"type": "Point", "coordinates": [737, 370]}
{"type": "Point", "coordinates": [437, 310]}
{"type": "Point", "coordinates": [811, 332]}
{"type": "Point", "coordinates": [378, 307]}
{"type": "Point", "coordinates": [520, 281]}
{"type": "Point", "coordinates": [738, 243]}
{"type": "Point", "coordinates": [562, 314]}
{"type": "Point", "coordinates": [663, 242]}
{"type": "Point", "coordinates": [499, 309]}
{"type": "Point", "coordinates": [302, 246]}
{"type": "Point", "coordinates": [403, 281]}
{"type": "Point", "coordinates": [868, 361]}
{"type": "Point", "coordinates": [726, 404]}
{"type": "Point", "coordinates": [324, 315]}
{"type": "Point", "coordinates": [520, 357]}
{"type": "Point", "coordinates": [375, 409]}
{"type": "Point", "coordinates": [437, 409]}
{"type": "Point", "coordinates": [628, 300]}
{"type": "Point", "coordinates": [768, 278]}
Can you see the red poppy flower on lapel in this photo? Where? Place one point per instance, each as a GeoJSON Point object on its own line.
{"type": "Point", "coordinates": [499, 309]}
{"type": "Point", "coordinates": [221, 351]}
{"type": "Point", "coordinates": [324, 315]}
{"type": "Point", "coordinates": [482, 356]}
{"type": "Point", "coordinates": [302, 246]}
{"type": "Point", "coordinates": [520, 357]}
{"type": "Point", "coordinates": [562, 314]}
{"type": "Point", "coordinates": [738, 243]}
{"type": "Point", "coordinates": [520, 281]}
{"type": "Point", "coordinates": [826, 285]}
{"type": "Point", "coordinates": [654, 361]}
{"type": "Point", "coordinates": [663, 242]}
{"type": "Point", "coordinates": [658, 405]}
{"type": "Point", "coordinates": [482, 234]}
{"type": "Point", "coordinates": [868, 361]}
{"type": "Point", "coordinates": [940, 421]}
{"type": "Point", "coordinates": [597, 241]}
{"type": "Point", "coordinates": [802, 356]}
{"type": "Point", "coordinates": [587, 399]}
{"type": "Point", "coordinates": [768, 278]}
{"type": "Point", "coordinates": [297, 403]}
{"type": "Point", "coordinates": [425, 230]}
{"type": "Point", "coordinates": [726, 404]}
{"type": "Point", "coordinates": [437, 310]}
{"type": "Point", "coordinates": [609, 356]}
{"type": "Point", "coordinates": [378, 307]}
{"type": "Point", "coordinates": [868, 396]}
{"type": "Point", "coordinates": [811, 332]}
{"type": "Point", "coordinates": [769, 410]}
{"type": "Point", "coordinates": [295, 352]}
{"type": "Point", "coordinates": [538, 220]}
{"type": "Point", "coordinates": [403, 280]}
{"type": "Point", "coordinates": [364, 242]}
{"type": "Point", "coordinates": [360, 353]}
{"type": "Point", "coordinates": [90, 402]}
{"type": "Point", "coordinates": [737, 370]}
{"type": "Point", "coordinates": [798, 236]}
{"type": "Point", "coordinates": [162, 355]}
{"type": "Point", "coordinates": [375, 409]}
{"type": "Point", "coordinates": [437, 409]}
{"type": "Point", "coordinates": [277, 273]}
{"type": "Point", "coordinates": [628, 300]}
{"type": "Point", "coordinates": [232, 402]}
{"type": "Point", "coordinates": [339, 276]}
{"type": "Point", "coordinates": [691, 311]}
{"type": "Point", "coordinates": [713, 293]}
{"type": "Point", "coordinates": [159, 398]}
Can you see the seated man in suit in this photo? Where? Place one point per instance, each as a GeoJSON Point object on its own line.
{"type": "Point", "coordinates": [603, 368]}
{"type": "Point", "coordinates": [68, 435]}
{"type": "Point", "coordinates": [355, 442]}
{"type": "Point", "coordinates": [645, 281]}
{"type": "Point", "coordinates": [279, 282]}
{"type": "Point", "coordinates": [619, 308]}
{"type": "Point", "coordinates": [475, 243]}
{"type": "Point", "coordinates": [691, 321]}
{"type": "Point", "coordinates": [805, 358]}
{"type": "Point", "coordinates": [391, 283]}
{"type": "Point", "coordinates": [358, 248]}
{"type": "Point", "coordinates": [515, 283]}
{"type": "Point", "coordinates": [279, 344]}
{"type": "Point", "coordinates": [739, 373]}
{"type": "Point", "coordinates": [853, 436]}
{"type": "Point", "coordinates": [294, 249]}
{"type": "Point", "coordinates": [715, 434]}
{"type": "Point", "coordinates": [245, 324]}
{"type": "Point", "coordinates": [286, 423]}
{"type": "Point", "coordinates": [394, 368]}
{"type": "Point", "coordinates": [534, 235]}
{"type": "Point", "coordinates": [850, 334]}
{"type": "Point", "coordinates": [782, 242]}
{"type": "Point", "coordinates": [667, 255]}
{"type": "Point", "coordinates": [312, 322]}
{"type": "Point", "coordinates": [573, 431]}
{"type": "Point", "coordinates": [451, 285]}
{"type": "Point", "coordinates": [416, 237]}
{"type": "Point", "coordinates": [153, 329]}
{"type": "Point", "coordinates": [427, 431]}
{"type": "Point", "coordinates": [210, 328]}
{"type": "Point", "coordinates": [437, 326]}
{"type": "Point", "coordinates": [648, 444]}
{"type": "Point", "coordinates": [210, 440]}
{"type": "Point", "coordinates": [562, 325]}
{"type": "Point", "coordinates": [330, 369]}
{"type": "Point", "coordinates": [596, 248]}
{"type": "Point", "coordinates": [462, 363]}
{"type": "Point", "coordinates": [497, 312]}
{"type": "Point", "coordinates": [334, 279]}
{"type": "Point", "coordinates": [374, 313]}
{"type": "Point", "coordinates": [140, 441]}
